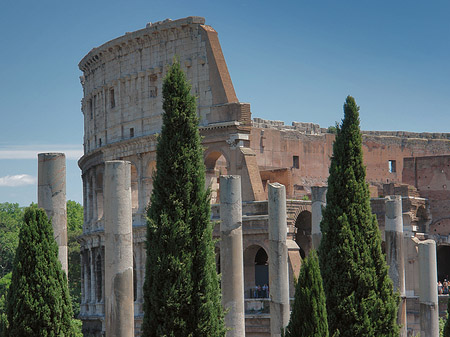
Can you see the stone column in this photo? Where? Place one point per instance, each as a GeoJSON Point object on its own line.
{"type": "Point", "coordinates": [119, 307]}
{"type": "Point", "coordinates": [52, 198]}
{"type": "Point", "coordinates": [278, 260]}
{"type": "Point", "coordinates": [394, 253]}
{"type": "Point", "coordinates": [428, 296]}
{"type": "Point", "coordinates": [231, 254]}
{"type": "Point", "coordinates": [318, 201]}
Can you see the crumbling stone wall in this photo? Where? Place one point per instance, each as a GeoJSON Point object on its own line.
{"type": "Point", "coordinates": [277, 145]}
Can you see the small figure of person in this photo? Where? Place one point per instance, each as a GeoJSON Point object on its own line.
{"type": "Point", "coordinates": [259, 291]}
{"type": "Point", "coordinates": [440, 288]}
{"type": "Point", "coordinates": [255, 291]}
{"type": "Point", "coordinates": [265, 289]}
{"type": "Point", "coordinates": [445, 287]}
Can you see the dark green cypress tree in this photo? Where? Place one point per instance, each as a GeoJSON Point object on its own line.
{"type": "Point", "coordinates": [359, 293]}
{"type": "Point", "coordinates": [38, 302]}
{"type": "Point", "coordinates": [309, 312]}
{"type": "Point", "coordinates": [181, 290]}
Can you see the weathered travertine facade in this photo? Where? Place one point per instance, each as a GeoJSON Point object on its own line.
{"type": "Point", "coordinates": [122, 107]}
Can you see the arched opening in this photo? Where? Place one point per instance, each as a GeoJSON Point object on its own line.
{"type": "Point", "coordinates": [98, 277]}
{"type": "Point", "coordinates": [88, 277]}
{"type": "Point", "coordinates": [261, 269]}
{"type": "Point", "coordinates": [256, 271]}
{"type": "Point", "coordinates": [99, 194]}
{"type": "Point", "coordinates": [216, 165]}
{"type": "Point", "coordinates": [303, 233]}
{"type": "Point", "coordinates": [90, 199]}
{"type": "Point", "coordinates": [134, 188]}
{"type": "Point", "coordinates": [443, 262]}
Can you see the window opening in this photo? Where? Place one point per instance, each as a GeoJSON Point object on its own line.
{"type": "Point", "coordinates": [295, 162]}
{"type": "Point", "coordinates": [392, 166]}
{"type": "Point", "coordinates": [112, 99]}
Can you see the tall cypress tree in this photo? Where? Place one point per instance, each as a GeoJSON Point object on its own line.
{"type": "Point", "coordinates": [309, 312]}
{"type": "Point", "coordinates": [359, 293]}
{"type": "Point", "coordinates": [181, 290]}
{"type": "Point", "coordinates": [38, 301]}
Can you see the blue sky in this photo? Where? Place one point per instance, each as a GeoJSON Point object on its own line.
{"type": "Point", "coordinates": [292, 60]}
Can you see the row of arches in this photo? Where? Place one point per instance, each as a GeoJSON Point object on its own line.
{"type": "Point", "coordinates": [142, 184]}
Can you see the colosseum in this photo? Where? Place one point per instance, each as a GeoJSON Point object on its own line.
{"type": "Point", "coordinates": [122, 108]}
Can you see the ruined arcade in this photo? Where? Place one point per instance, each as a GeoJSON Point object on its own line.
{"type": "Point", "coordinates": [122, 108]}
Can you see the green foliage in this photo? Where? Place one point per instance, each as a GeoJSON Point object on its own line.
{"type": "Point", "coordinates": [38, 302]}
{"type": "Point", "coordinates": [74, 229]}
{"type": "Point", "coordinates": [181, 290]}
{"type": "Point", "coordinates": [446, 328]}
{"type": "Point", "coordinates": [77, 327]}
{"type": "Point", "coordinates": [360, 298]}
{"type": "Point", "coordinates": [332, 129]}
{"type": "Point", "coordinates": [309, 315]}
{"type": "Point", "coordinates": [11, 219]}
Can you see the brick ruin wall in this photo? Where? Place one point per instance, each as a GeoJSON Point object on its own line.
{"type": "Point", "coordinates": [276, 146]}
{"type": "Point", "coordinates": [431, 176]}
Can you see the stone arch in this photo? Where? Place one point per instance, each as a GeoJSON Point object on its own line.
{"type": "Point", "coordinates": [256, 269]}
{"type": "Point", "coordinates": [99, 277]}
{"type": "Point", "coordinates": [90, 211]}
{"type": "Point", "coordinates": [134, 188]}
{"type": "Point", "coordinates": [298, 209]}
{"type": "Point", "coordinates": [99, 193]}
{"type": "Point", "coordinates": [303, 236]}
{"type": "Point", "coordinates": [443, 262]}
{"type": "Point", "coordinates": [216, 164]}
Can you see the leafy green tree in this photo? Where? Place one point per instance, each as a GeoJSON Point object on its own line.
{"type": "Point", "coordinates": [38, 302]}
{"type": "Point", "coordinates": [309, 312]}
{"type": "Point", "coordinates": [181, 290]}
{"type": "Point", "coordinates": [74, 229]}
{"type": "Point", "coordinates": [359, 293]}
{"type": "Point", "coordinates": [11, 219]}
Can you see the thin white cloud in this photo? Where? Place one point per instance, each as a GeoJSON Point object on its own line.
{"type": "Point", "coordinates": [17, 180]}
{"type": "Point", "coordinates": [72, 152]}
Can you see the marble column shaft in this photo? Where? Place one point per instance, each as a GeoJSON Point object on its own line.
{"type": "Point", "coordinates": [318, 202]}
{"type": "Point", "coordinates": [119, 306]}
{"type": "Point", "coordinates": [52, 198]}
{"type": "Point", "coordinates": [278, 260]}
{"type": "Point", "coordinates": [395, 253]}
{"type": "Point", "coordinates": [428, 295]}
{"type": "Point", "coordinates": [231, 255]}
